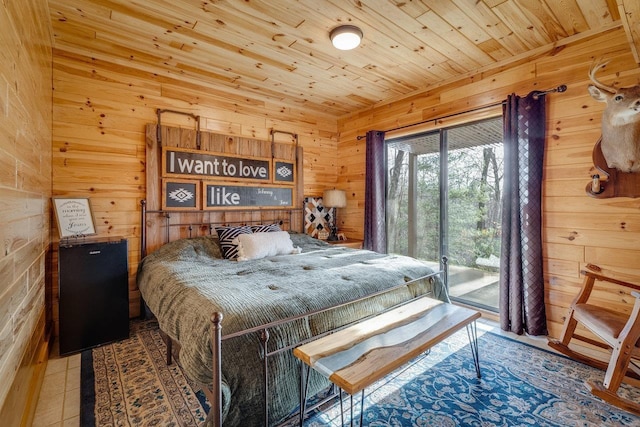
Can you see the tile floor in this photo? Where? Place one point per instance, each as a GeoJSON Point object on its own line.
{"type": "Point", "coordinates": [59, 400]}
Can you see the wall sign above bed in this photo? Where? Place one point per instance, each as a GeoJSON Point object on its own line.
{"type": "Point", "coordinates": [240, 181]}
{"type": "Point", "coordinates": [181, 162]}
{"type": "Point", "coordinates": [284, 171]}
{"type": "Point", "coordinates": [180, 194]}
{"type": "Point", "coordinates": [228, 196]}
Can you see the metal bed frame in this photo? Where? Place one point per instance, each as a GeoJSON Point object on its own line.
{"type": "Point", "coordinates": [214, 394]}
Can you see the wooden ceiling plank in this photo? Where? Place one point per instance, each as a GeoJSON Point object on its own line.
{"type": "Point", "coordinates": [552, 13]}
{"type": "Point", "coordinates": [411, 8]}
{"type": "Point", "coordinates": [450, 51]}
{"type": "Point", "coordinates": [63, 9]}
{"type": "Point", "coordinates": [598, 12]}
{"type": "Point", "coordinates": [630, 17]}
{"type": "Point", "coordinates": [518, 21]}
{"type": "Point", "coordinates": [458, 19]}
{"type": "Point", "coordinates": [483, 16]}
{"type": "Point", "coordinates": [613, 7]}
{"type": "Point", "coordinates": [462, 44]}
{"type": "Point", "coordinates": [494, 49]}
{"type": "Point", "coordinates": [268, 14]}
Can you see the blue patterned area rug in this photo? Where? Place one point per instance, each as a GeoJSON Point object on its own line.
{"type": "Point", "coordinates": [129, 384]}
{"type": "Point", "coordinates": [521, 385]}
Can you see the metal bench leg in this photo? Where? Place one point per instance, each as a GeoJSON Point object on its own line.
{"type": "Point", "coordinates": [341, 410]}
{"type": "Point", "coordinates": [472, 333]}
{"type": "Point", "coordinates": [362, 408]}
{"type": "Point", "coordinates": [304, 388]}
{"type": "Point", "coordinates": [351, 410]}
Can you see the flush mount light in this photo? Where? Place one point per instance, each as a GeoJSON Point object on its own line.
{"type": "Point", "coordinates": [346, 37]}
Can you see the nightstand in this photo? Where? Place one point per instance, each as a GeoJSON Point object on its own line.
{"type": "Point", "coordinates": [349, 243]}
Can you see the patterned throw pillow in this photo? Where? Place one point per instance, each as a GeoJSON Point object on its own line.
{"type": "Point", "coordinates": [226, 235]}
{"type": "Point", "coordinates": [265, 228]}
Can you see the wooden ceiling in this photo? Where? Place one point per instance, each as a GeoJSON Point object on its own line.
{"type": "Point", "coordinates": [278, 52]}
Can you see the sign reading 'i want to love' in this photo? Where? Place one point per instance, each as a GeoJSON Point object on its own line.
{"type": "Point", "coordinates": [191, 163]}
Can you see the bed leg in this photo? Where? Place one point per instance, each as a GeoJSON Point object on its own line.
{"type": "Point", "coordinates": [264, 341]}
{"type": "Point", "coordinates": [169, 349]}
{"type": "Point", "coordinates": [169, 344]}
{"type": "Point", "coordinates": [215, 413]}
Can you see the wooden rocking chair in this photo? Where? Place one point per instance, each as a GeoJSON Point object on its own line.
{"type": "Point", "coordinates": [621, 336]}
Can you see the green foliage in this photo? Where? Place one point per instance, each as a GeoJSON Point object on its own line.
{"type": "Point", "coordinates": [474, 205]}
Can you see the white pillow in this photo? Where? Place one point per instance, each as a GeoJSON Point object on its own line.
{"type": "Point", "coordinates": [261, 245]}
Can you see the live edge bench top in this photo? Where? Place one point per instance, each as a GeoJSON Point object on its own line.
{"type": "Point", "coordinates": [365, 352]}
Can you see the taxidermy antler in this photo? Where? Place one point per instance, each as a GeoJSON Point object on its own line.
{"type": "Point", "coordinates": [620, 122]}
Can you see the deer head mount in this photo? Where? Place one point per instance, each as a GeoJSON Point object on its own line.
{"type": "Point", "coordinates": [620, 122]}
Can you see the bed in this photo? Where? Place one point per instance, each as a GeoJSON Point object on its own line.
{"type": "Point", "coordinates": [310, 291]}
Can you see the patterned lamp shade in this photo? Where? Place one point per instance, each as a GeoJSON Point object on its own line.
{"type": "Point", "coordinates": [334, 199]}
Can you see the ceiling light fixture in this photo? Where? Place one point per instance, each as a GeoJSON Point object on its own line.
{"type": "Point", "coordinates": [346, 37]}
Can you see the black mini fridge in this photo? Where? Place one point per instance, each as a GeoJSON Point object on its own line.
{"type": "Point", "coordinates": [93, 294]}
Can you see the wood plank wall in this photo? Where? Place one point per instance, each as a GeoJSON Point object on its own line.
{"type": "Point", "coordinates": [25, 191]}
{"type": "Point", "coordinates": [100, 112]}
{"type": "Point", "coordinates": [578, 230]}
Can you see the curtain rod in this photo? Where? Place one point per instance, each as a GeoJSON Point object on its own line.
{"type": "Point", "coordinates": [536, 94]}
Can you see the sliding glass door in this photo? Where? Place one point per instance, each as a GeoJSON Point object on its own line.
{"type": "Point", "coordinates": [444, 198]}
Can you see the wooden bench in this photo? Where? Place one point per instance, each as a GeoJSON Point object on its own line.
{"type": "Point", "coordinates": [359, 355]}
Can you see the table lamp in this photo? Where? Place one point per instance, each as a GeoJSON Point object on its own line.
{"type": "Point", "coordinates": [334, 199]}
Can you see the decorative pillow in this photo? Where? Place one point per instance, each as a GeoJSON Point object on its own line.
{"type": "Point", "coordinates": [265, 228]}
{"type": "Point", "coordinates": [226, 237]}
{"type": "Point", "coordinates": [261, 245]}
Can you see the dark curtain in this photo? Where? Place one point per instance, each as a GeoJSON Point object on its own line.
{"type": "Point", "coordinates": [375, 230]}
{"type": "Point", "coordinates": [521, 281]}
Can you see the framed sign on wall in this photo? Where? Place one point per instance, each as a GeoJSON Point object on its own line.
{"type": "Point", "coordinates": [180, 194]}
{"type": "Point", "coordinates": [197, 164]}
{"type": "Point", "coordinates": [284, 172]}
{"type": "Point", "coordinates": [74, 216]}
{"type": "Point", "coordinates": [219, 196]}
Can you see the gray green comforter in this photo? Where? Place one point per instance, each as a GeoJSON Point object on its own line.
{"type": "Point", "coordinates": [185, 281]}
